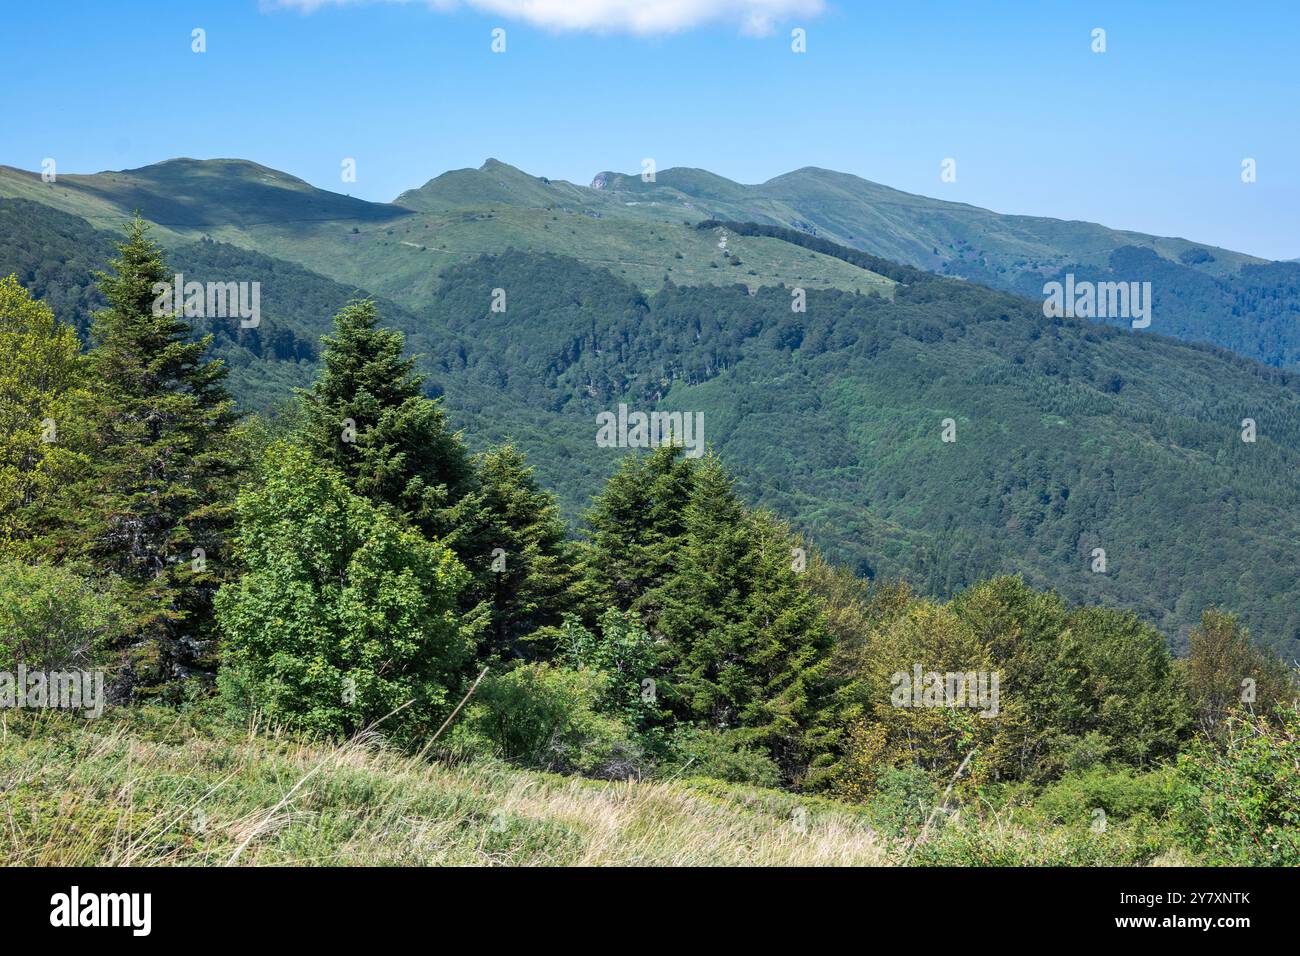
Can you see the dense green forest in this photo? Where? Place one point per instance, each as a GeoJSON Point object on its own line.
{"type": "Point", "coordinates": [1251, 311]}
{"type": "Point", "coordinates": [56, 255]}
{"type": "Point", "coordinates": [352, 564]}
{"type": "Point", "coordinates": [1070, 436]}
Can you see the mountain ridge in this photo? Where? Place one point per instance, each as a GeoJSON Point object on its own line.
{"type": "Point", "coordinates": [642, 230]}
{"type": "Point", "coordinates": [616, 181]}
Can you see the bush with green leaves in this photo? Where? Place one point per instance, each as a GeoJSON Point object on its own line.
{"type": "Point", "coordinates": [699, 751]}
{"type": "Point", "coordinates": [903, 799]}
{"type": "Point", "coordinates": [342, 615]}
{"type": "Point", "coordinates": [1007, 838]}
{"type": "Point", "coordinates": [622, 650]}
{"type": "Point", "coordinates": [42, 379]}
{"type": "Point", "coordinates": [1238, 800]}
{"type": "Point", "coordinates": [52, 618]}
{"type": "Point", "coordinates": [547, 717]}
{"type": "Point", "coordinates": [1224, 669]}
{"type": "Point", "coordinates": [1120, 792]}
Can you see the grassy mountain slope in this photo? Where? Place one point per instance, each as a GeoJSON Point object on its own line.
{"type": "Point", "coordinates": [1202, 293]}
{"type": "Point", "coordinates": [154, 788]}
{"type": "Point", "coordinates": [929, 233]}
{"type": "Point", "coordinates": [404, 260]}
{"type": "Point", "coordinates": [186, 194]}
{"type": "Point", "coordinates": [399, 250]}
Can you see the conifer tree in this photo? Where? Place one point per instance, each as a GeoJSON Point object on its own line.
{"type": "Point", "coordinates": [516, 547]}
{"type": "Point", "coordinates": [745, 647]}
{"type": "Point", "coordinates": [750, 644]}
{"type": "Point", "coordinates": [635, 528]}
{"type": "Point", "coordinates": [704, 612]}
{"type": "Point", "coordinates": [791, 663]}
{"type": "Point", "coordinates": [367, 416]}
{"type": "Point", "coordinates": [155, 504]}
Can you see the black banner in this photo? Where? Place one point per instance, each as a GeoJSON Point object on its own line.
{"type": "Point", "coordinates": [333, 905]}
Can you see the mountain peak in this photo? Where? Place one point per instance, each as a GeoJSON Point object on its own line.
{"type": "Point", "coordinates": [494, 182]}
{"type": "Point", "coordinates": [198, 193]}
{"type": "Point", "coordinates": [491, 164]}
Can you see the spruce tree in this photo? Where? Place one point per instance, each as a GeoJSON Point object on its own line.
{"type": "Point", "coordinates": [791, 660]}
{"type": "Point", "coordinates": [635, 528]}
{"type": "Point", "coordinates": [749, 644]}
{"type": "Point", "coordinates": [744, 646]}
{"type": "Point", "coordinates": [155, 503]}
{"type": "Point", "coordinates": [515, 546]}
{"type": "Point", "coordinates": [705, 603]}
{"type": "Point", "coordinates": [366, 415]}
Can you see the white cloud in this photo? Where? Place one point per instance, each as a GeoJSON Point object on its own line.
{"type": "Point", "coordinates": [645, 17]}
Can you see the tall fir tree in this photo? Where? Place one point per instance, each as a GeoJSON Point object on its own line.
{"type": "Point", "coordinates": [154, 505]}
{"type": "Point", "coordinates": [791, 662]}
{"type": "Point", "coordinates": [366, 415]}
{"type": "Point", "coordinates": [634, 531]}
{"type": "Point", "coordinates": [750, 644]}
{"type": "Point", "coordinates": [522, 564]}
{"type": "Point", "coordinates": [745, 648]}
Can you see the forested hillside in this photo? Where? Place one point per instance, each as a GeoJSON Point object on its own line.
{"type": "Point", "coordinates": [55, 255]}
{"type": "Point", "coordinates": [1066, 432]}
{"type": "Point", "coordinates": [352, 568]}
{"type": "Point", "coordinates": [1202, 293]}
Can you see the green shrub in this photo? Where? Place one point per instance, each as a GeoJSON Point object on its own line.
{"type": "Point", "coordinates": [1082, 753]}
{"type": "Point", "coordinates": [902, 799]}
{"type": "Point", "coordinates": [52, 618]}
{"type": "Point", "coordinates": [1121, 793]}
{"type": "Point", "coordinates": [342, 616]}
{"type": "Point", "coordinates": [625, 654]}
{"type": "Point", "coordinates": [545, 717]}
{"type": "Point", "coordinates": [1238, 803]}
{"type": "Point", "coordinates": [723, 755]}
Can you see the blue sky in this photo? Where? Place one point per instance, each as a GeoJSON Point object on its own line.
{"type": "Point", "coordinates": [1149, 135]}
